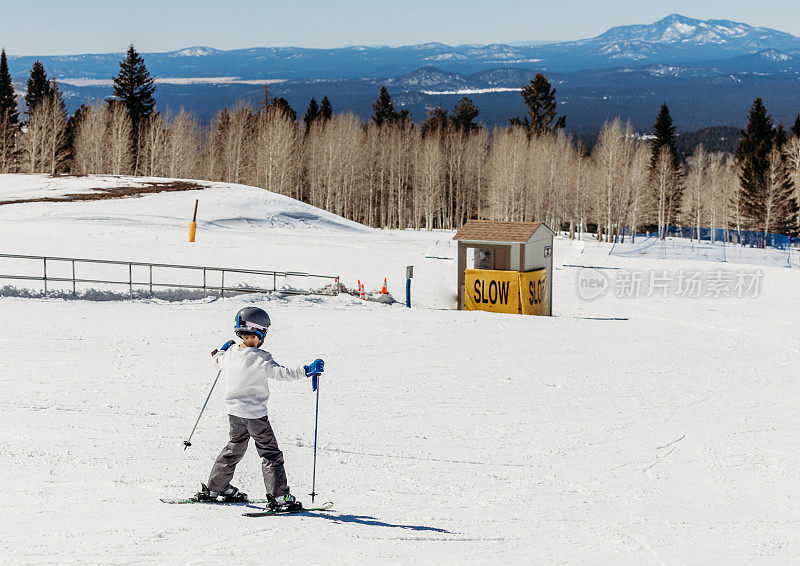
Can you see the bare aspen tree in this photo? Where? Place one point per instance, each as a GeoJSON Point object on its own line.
{"type": "Point", "coordinates": [792, 153]}
{"type": "Point", "coordinates": [333, 146]}
{"type": "Point", "coordinates": [715, 188]}
{"type": "Point", "coordinates": [8, 134]}
{"type": "Point", "coordinates": [696, 181]}
{"type": "Point", "coordinates": [429, 172]}
{"type": "Point", "coordinates": [579, 195]}
{"type": "Point", "coordinates": [235, 144]}
{"type": "Point", "coordinates": [214, 154]}
{"type": "Point", "coordinates": [537, 177]}
{"type": "Point", "coordinates": [152, 142]}
{"type": "Point", "coordinates": [43, 145]}
{"type": "Point", "coordinates": [183, 144]}
{"type": "Point", "coordinates": [506, 173]}
{"type": "Point", "coordinates": [612, 155]}
{"type": "Point", "coordinates": [90, 142]}
{"type": "Point", "coordinates": [56, 152]}
{"type": "Point", "coordinates": [119, 131]}
{"type": "Point", "coordinates": [733, 187]}
{"type": "Point", "coordinates": [639, 173]}
{"type": "Point", "coordinates": [404, 136]}
{"type": "Point", "coordinates": [347, 132]}
{"type": "Point", "coordinates": [277, 153]}
{"type": "Point", "coordinates": [663, 181]}
{"type": "Point", "coordinates": [453, 143]}
{"type": "Point", "coordinates": [33, 142]}
{"type": "Point", "coordinates": [477, 148]}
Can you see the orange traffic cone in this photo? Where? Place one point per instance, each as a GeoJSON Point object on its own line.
{"type": "Point", "coordinates": [384, 290]}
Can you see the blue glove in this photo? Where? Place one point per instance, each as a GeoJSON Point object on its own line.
{"type": "Point", "coordinates": [222, 348]}
{"type": "Point", "coordinates": [315, 368]}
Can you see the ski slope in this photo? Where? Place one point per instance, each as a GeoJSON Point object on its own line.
{"type": "Point", "coordinates": [643, 430]}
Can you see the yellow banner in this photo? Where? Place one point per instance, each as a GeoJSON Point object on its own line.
{"type": "Point", "coordinates": [491, 290]}
{"type": "Point", "coordinates": [533, 292]}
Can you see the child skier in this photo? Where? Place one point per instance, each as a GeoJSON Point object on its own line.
{"type": "Point", "coordinates": [246, 370]}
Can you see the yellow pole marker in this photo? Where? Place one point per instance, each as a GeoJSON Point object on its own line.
{"type": "Point", "coordinates": [193, 225]}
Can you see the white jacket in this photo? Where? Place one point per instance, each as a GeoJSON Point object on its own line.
{"type": "Point", "coordinates": [246, 371]}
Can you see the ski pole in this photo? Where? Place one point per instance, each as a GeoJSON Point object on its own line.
{"type": "Point", "coordinates": [187, 443]}
{"type": "Point", "coordinates": [315, 386]}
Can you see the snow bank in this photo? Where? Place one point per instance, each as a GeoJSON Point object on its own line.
{"type": "Point", "coordinates": [625, 429]}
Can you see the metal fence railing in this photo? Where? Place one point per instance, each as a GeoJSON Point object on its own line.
{"type": "Point", "coordinates": [329, 283]}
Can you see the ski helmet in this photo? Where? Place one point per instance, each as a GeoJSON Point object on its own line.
{"type": "Point", "coordinates": [252, 320]}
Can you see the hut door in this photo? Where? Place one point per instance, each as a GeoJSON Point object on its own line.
{"type": "Point", "coordinates": [502, 257]}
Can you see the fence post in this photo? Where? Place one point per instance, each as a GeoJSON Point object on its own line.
{"type": "Point", "coordinates": [73, 278]}
{"type": "Point", "coordinates": [204, 283]}
{"type": "Point", "coordinates": [45, 276]}
{"type": "Point", "coordinates": [222, 286]}
{"type": "Point", "coordinates": [151, 279]}
{"type": "Point", "coordinates": [274, 281]}
{"type": "Point", "coordinates": [130, 279]}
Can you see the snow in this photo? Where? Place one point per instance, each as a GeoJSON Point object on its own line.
{"type": "Point", "coordinates": [621, 430]}
{"type": "Point", "coordinates": [677, 31]}
{"type": "Point", "coordinates": [446, 57]}
{"type": "Point", "coordinates": [196, 51]}
{"type": "Point", "coordinates": [471, 90]}
{"type": "Point", "coordinates": [82, 82]}
{"type": "Point", "coordinates": [774, 55]}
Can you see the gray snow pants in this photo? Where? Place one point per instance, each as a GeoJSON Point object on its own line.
{"type": "Point", "coordinates": [267, 446]}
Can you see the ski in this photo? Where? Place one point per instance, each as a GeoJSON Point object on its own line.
{"type": "Point", "coordinates": [173, 501]}
{"type": "Point", "coordinates": [323, 507]}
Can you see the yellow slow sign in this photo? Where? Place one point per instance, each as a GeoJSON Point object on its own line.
{"type": "Point", "coordinates": [533, 292]}
{"type": "Point", "coordinates": [491, 290]}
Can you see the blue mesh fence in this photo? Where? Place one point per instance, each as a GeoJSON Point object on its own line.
{"type": "Point", "coordinates": [710, 244]}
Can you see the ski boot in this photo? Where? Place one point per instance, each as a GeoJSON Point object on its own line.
{"type": "Point", "coordinates": [284, 503]}
{"type": "Point", "coordinates": [231, 494]}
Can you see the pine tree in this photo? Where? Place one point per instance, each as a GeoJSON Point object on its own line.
{"type": "Point", "coordinates": [73, 123]}
{"type": "Point", "coordinates": [464, 113]}
{"type": "Point", "coordinates": [664, 133]}
{"type": "Point", "coordinates": [540, 98]}
{"type": "Point", "coordinates": [8, 100]}
{"type": "Point", "coordinates": [383, 108]}
{"type": "Point", "coordinates": [134, 87]}
{"type": "Point", "coordinates": [266, 100]}
{"type": "Point", "coordinates": [796, 126]}
{"type": "Point", "coordinates": [325, 109]}
{"type": "Point", "coordinates": [312, 114]}
{"type": "Point", "coordinates": [436, 121]}
{"type": "Point", "coordinates": [38, 87]}
{"type": "Point", "coordinates": [779, 205]}
{"type": "Point", "coordinates": [9, 119]}
{"type": "Point", "coordinates": [282, 105]}
{"type": "Point", "coordinates": [753, 157]}
{"type": "Point", "coordinates": [384, 112]}
{"type": "Point", "coordinates": [780, 137]}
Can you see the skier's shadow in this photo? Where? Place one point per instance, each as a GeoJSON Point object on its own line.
{"type": "Point", "coordinates": [373, 522]}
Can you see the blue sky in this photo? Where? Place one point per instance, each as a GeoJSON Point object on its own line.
{"type": "Point", "coordinates": [89, 26]}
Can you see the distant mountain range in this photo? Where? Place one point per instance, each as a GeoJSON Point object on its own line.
{"type": "Point", "coordinates": [708, 71]}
